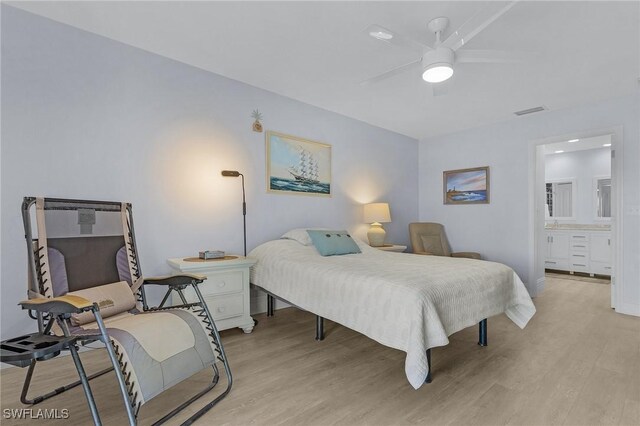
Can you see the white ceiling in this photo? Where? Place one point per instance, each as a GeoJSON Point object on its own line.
{"type": "Point", "coordinates": [316, 52]}
{"type": "Point", "coordinates": [595, 142]}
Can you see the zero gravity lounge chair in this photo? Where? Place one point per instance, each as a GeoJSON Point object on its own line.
{"type": "Point", "coordinates": [86, 285]}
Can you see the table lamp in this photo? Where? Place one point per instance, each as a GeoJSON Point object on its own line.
{"type": "Point", "coordinates": [376, 214]}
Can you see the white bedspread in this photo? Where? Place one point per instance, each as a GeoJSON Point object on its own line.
{"type": "Point", "coordinates": [405, 301]}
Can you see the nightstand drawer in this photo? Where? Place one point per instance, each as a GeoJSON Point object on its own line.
{"type": "Point", "coordinates": [225, 306]}
{"type": "Point", "coordinates": [222, 283]}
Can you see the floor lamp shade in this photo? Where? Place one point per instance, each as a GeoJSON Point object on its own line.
{"type": "Point", "coordinates": [376, 214]}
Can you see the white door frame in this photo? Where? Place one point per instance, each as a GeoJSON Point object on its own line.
{"type": "Point", "coordinates": [536, 207]}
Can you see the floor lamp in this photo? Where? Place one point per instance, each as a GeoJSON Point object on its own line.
{"type": "Point", "coordinates": [235, 173]}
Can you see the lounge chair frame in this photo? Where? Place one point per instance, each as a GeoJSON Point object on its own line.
{"type": "Point", "coordinates": [62, 314]}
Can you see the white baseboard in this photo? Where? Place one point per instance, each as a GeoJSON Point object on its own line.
{"type": "Point", "coordinates": [628, 309]}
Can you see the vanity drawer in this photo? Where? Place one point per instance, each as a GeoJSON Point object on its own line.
{"type": "Point", "coordinates": [579, 263]}
{"type": "Point", "coordinates": [561, 265]}
{"type": "Point", "coordinates": [579, 246]}
{"type": "Point", "coordinates": [577, 237]}
{"type": "Point", "coordinates": [222, 283]}
{"type": "Point", "coordinates": [222, 307]}
{"type": "Point", "coordinates": [580, 258]}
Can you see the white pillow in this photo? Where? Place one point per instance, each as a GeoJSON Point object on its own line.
{"type": "Point", "coordinates": [300, 235]}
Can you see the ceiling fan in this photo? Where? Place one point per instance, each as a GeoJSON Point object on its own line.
{"type": "Point", "coordinates": [438, 62]}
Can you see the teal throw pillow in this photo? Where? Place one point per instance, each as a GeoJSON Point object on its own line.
{"type": "Point", "coordinates": [330, 243]}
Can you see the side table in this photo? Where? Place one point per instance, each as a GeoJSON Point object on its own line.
{"type": "Point", "coordinates": [226, 290]}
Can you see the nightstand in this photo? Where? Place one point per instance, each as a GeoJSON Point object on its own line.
{"type": "Point", "coordinates": [392, 247]}
{"type": "Point", "coordinates": [226, 290]}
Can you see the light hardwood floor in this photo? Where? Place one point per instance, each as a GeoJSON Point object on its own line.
{"type": "Point", "coordinates": [576, 363]}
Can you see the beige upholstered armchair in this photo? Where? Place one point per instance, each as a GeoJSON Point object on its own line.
{"type": "Point", "coordinates": [429, 238]}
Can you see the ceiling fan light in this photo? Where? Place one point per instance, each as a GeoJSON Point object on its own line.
{"type": "Point", "coordinates": [437, 65]}
{"type": "Point", "coordinates": [437, 73]}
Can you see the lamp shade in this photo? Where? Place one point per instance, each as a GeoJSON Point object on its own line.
{"type": "Point", "coordinates": [377, 212]}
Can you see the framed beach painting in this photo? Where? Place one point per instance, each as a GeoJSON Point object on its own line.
{"type": "Point", "coordinates": [466, 186]}
{"type": "Point", "coordinates": [298, 166]}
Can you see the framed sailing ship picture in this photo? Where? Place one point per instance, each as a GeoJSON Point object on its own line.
{"type": "Point", "coordinates": [466, 186]}
{"type": "Point", "coordinates": [298, 166]}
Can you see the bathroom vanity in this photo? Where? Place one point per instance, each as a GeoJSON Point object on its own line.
{"type": "Point", "coordinates": [579, 248]}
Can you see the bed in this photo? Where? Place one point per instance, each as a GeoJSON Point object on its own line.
{"type": "Point", "coordinates": [405, 301]}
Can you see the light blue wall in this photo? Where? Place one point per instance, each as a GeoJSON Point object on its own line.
{"type": "Point", "coordinates": [500, 230]}
{"type": "Point", "coordinates": [87, 117]}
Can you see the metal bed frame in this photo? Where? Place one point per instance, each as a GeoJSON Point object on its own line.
{"type": "Point", "coordinates": [271, 301]}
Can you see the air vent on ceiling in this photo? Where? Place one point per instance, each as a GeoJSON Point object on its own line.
{"type": "Point", "coordinates": [531, 110]}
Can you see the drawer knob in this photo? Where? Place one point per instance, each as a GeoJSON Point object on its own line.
{"type": "Point", "coordinates": [222, 284]}
{"type": "Point", "coordinates": [221, 309]}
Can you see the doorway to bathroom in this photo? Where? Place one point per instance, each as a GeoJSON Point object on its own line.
{"type": "Point", "coordinates": [576, 212]}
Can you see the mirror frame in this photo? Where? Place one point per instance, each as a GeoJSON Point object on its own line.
{"type": "Point", "coordinates": [594, 191]}
{"type": "Point", "coordinates": [574, 198]}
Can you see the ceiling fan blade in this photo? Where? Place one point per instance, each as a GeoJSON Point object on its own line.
{"type": "Point", "coordinates": [489, 56]}
{"type": "Point", "coordinates": [391, 73]}
{"type": "Point", "coordinates": [475, 25]}
{"type": "Point", "coordinates": [381, 33]}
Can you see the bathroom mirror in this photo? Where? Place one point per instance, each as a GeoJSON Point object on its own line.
{"type": "Point", "coordinates": [561, 198]}
{"type": "Point", "coordinates": [602, 186]}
